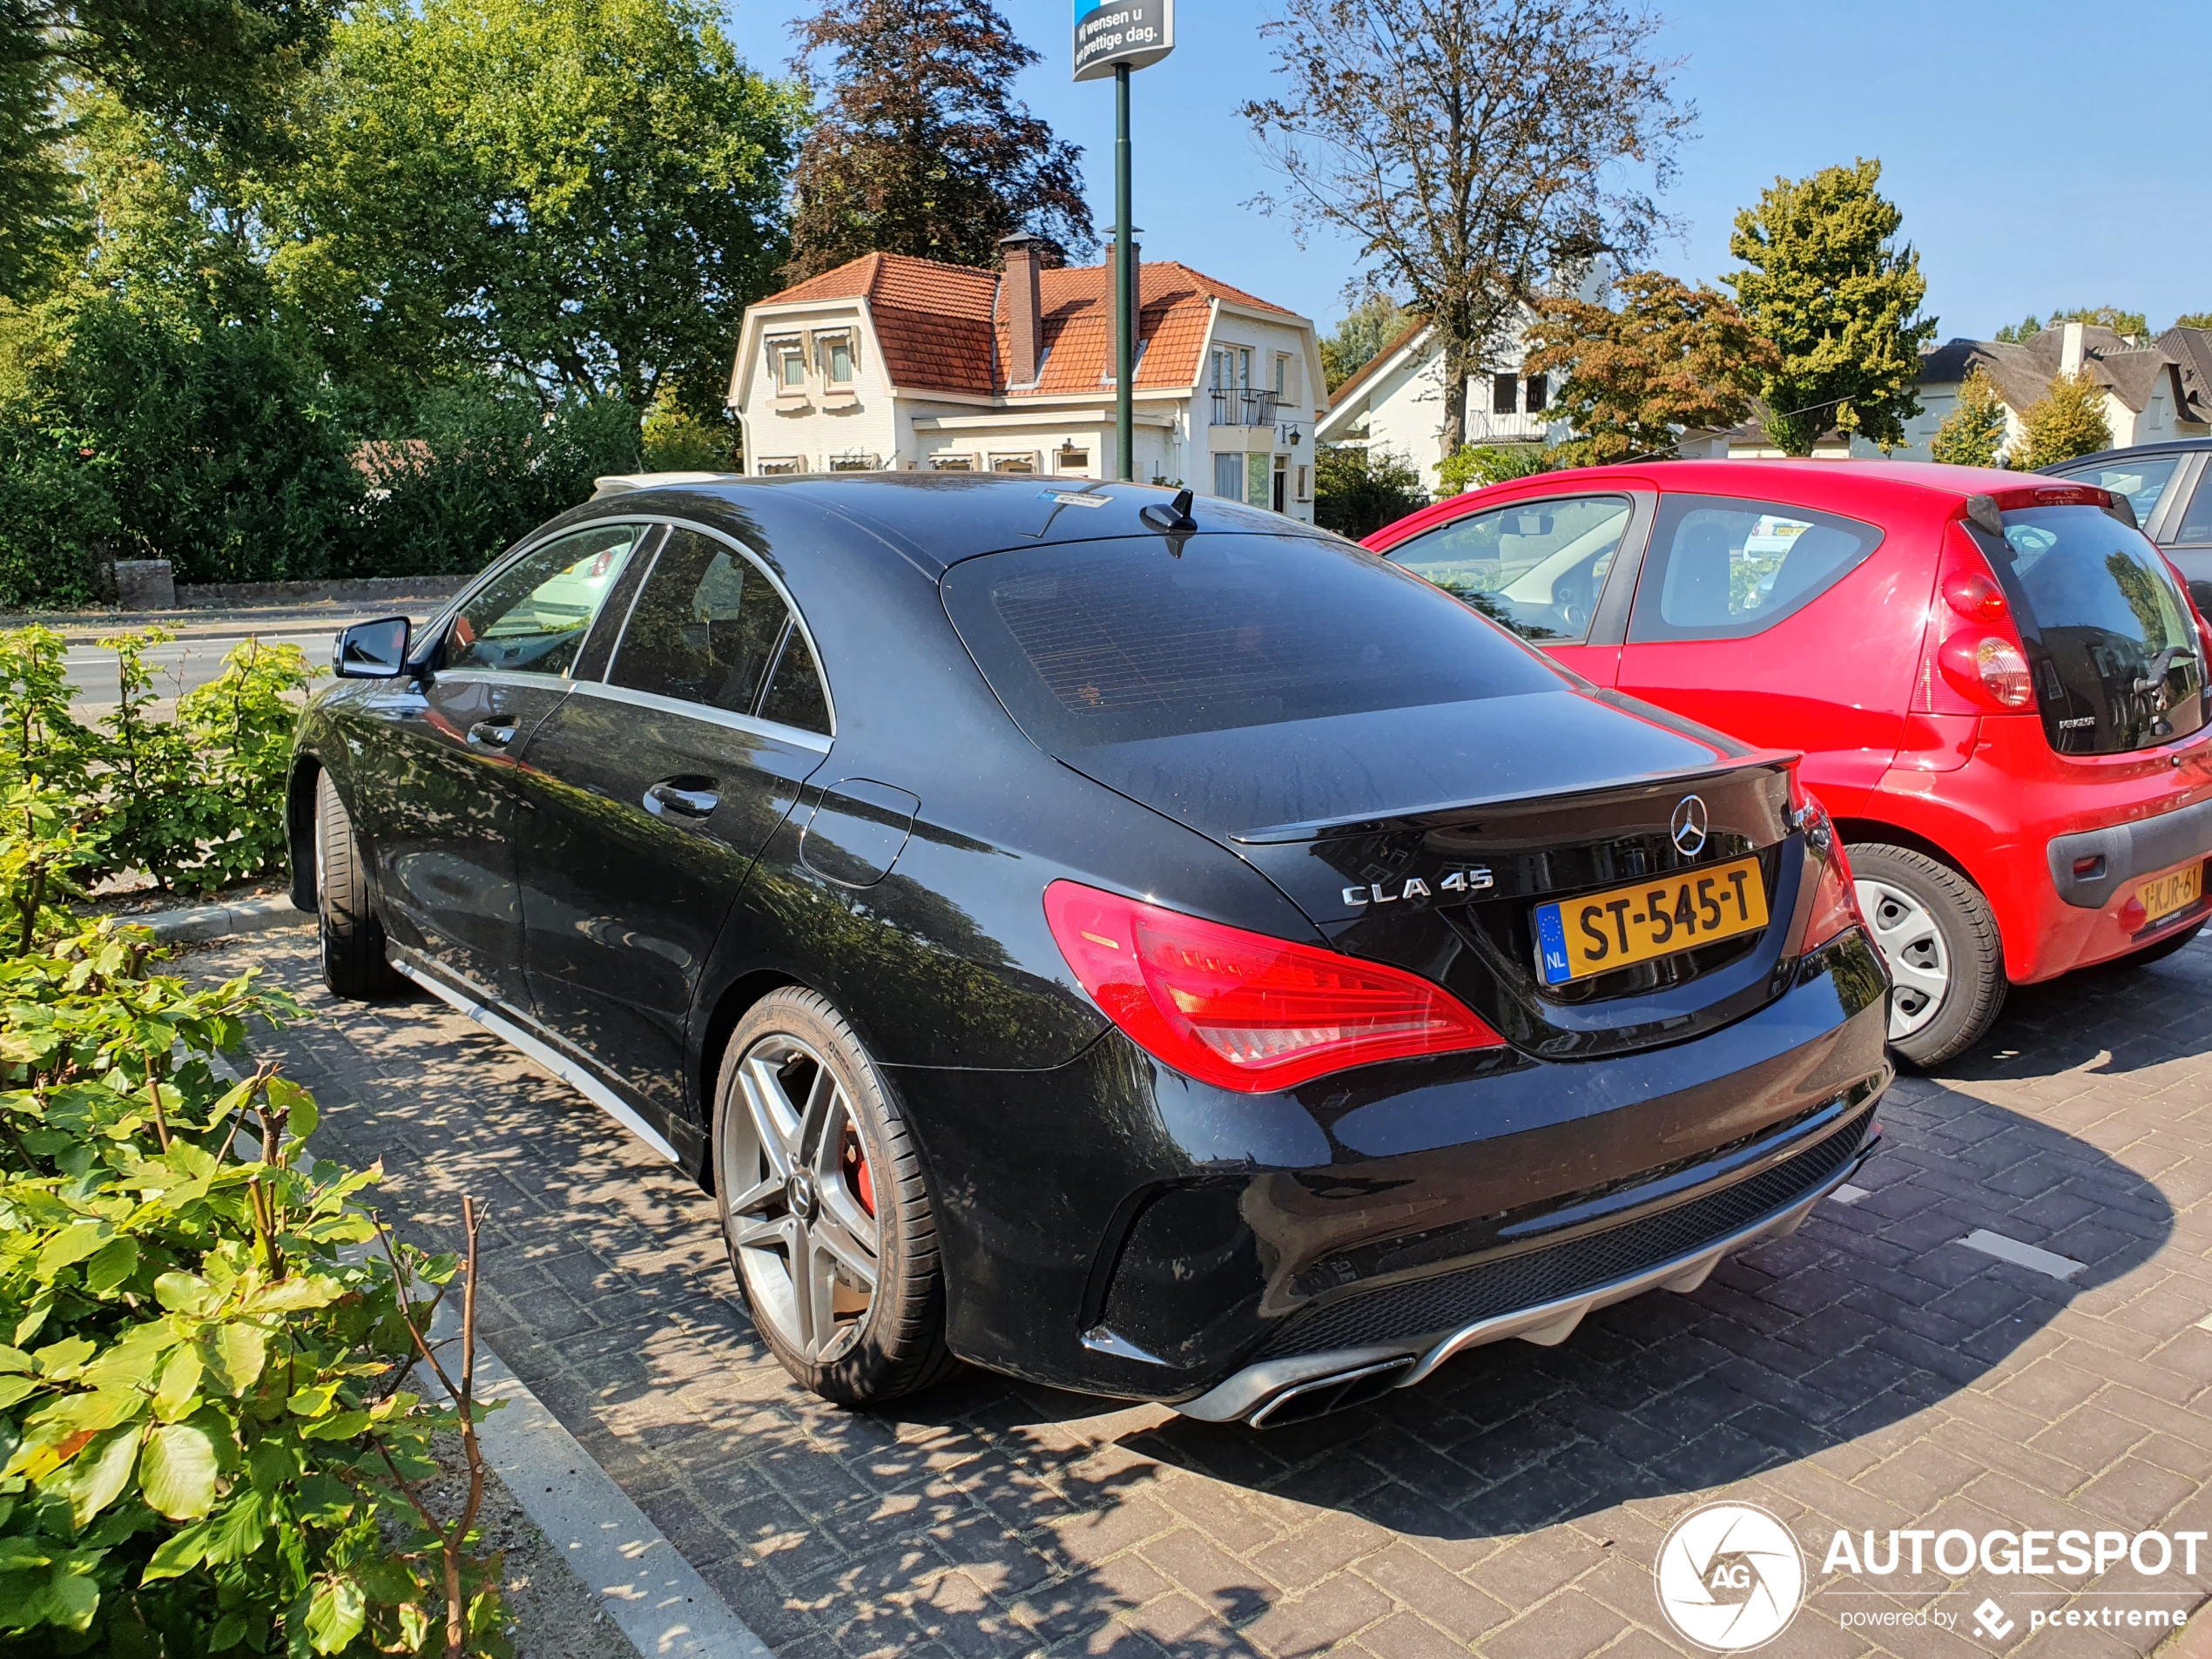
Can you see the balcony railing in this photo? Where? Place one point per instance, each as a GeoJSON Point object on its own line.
{"type": "Point", "coordinates": [1232, 408]}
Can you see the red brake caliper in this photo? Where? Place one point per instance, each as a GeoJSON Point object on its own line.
{"type": "Point", "coordinates": [855, 1164]}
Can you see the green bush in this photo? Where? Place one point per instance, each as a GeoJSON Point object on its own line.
{"type": "Point", "coordinates": [1356, 492]}
{"type": "Point", "coordinates": [1472, 466]}
{"type": "Point", "coordinates": [479, 466]}
{"type": "Point", "coordinates": [206, 1446]}
{"type": "Point", "coordinates": [196, 801]}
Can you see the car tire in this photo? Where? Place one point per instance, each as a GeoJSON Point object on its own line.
{"type": "Point", "coordinates": [2162, 949]}
{"type": "Point", "coordinates": [1939, 937]}
{"type": "Point", "coordinates": [353, 966]}
{"type": "Point", "coordinates": [825, 1210]}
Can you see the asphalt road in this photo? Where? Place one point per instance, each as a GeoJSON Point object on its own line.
{"type": "Point", "coordinates": [179, 666]}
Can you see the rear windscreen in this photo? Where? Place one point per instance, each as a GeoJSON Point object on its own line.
{"type": "Point", "coordinates": [2108, 636]}
{"type": "Point", "coordinates": [1113, 642]}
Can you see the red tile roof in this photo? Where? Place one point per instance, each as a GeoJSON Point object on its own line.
{"type": "Point", "coordinates": [943, 327]}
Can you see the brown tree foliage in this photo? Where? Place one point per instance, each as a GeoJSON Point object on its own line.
{"type": "Point", "coordinates": [1673, 358]}
{"type": "Point", "coordinates": [919, 149]}
{"type": "Point", "coordinates": [1471, 150]}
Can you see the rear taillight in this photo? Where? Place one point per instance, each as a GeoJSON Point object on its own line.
{"type": "Point", "coordinates": [1835, 896]}
{"type": "Point", "coordinates": [1991, 665]}
{"type": "Point", "coordinates": [1243, 1010]}
{"type": "Point", "coordinates": [1975, 662]}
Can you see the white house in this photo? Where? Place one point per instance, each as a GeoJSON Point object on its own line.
{"type": "Point", "coordinates": [2153, 391]}
{"type": "Point", "coordinates": [1396, 402]}
{"type": "Point", "coordinates": [894, 363]}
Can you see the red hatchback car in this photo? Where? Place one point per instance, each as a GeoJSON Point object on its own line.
{"type": "Point", "coordinates": [1997, 684]}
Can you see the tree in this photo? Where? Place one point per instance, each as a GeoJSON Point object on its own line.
{"type": "Point", "coordinates": [1673, 358]}
{"type": "Point", "coordinates": [919, 149]}
{"type": "Point", "coordinates": [583, 194]}
{"type": "Point", "coordinates": [217, 69]}
{"type": "Point", "coordinates": [2129, 325]}
{"type": "Point", "coordinates": [2066, 421]}
{"type": "Point", "coordinates": [1369, 327]}
{"type": "Point", "coordinates": [1826, 282]}
{"type": "Point", "coordinates": [1356, 492]}
{"type": "Point", "coordinates": [2193, 320]}
{"type": "Point", "coordinates": [1473, 151]}
{"type": "Point", "coordinates": [2018, 334]}
{"type": "Point", "coordinates": [1973, 433]}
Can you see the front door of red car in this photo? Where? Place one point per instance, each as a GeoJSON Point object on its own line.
{"type": "Point", "coordinates": [1784, 626]}
{"type": "Point", "coordinates": [1552, 568]}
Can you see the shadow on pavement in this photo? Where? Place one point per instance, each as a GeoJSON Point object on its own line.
{"type": "Point", "coordinates": [988, 1516]}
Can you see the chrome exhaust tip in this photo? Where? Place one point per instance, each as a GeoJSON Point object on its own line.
{"type": "Point", "coordinates": [1337, 1392]}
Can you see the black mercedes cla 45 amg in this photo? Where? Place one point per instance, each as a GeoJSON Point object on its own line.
{"type": "Point", "coordinates": [1147, 947]}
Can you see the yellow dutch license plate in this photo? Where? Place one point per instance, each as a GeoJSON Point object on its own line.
{"type": "Point", "coordinates": [2171, 893]}
{"type": "Point", "coordinates": [1624, 926]}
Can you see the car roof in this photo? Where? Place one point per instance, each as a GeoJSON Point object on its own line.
{"type": "Point", "coordinates": [1850, 488]}
{"type": "Point", "coordinates": [939, 518]}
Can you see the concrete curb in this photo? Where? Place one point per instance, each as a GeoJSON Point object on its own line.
{"type": "Point", "coordinates": [654, 1596]}
{"type": "Point", "coordinates": [203, 922]}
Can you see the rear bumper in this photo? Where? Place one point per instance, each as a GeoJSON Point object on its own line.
{"type": "Point", "coordinates": [1275, 1392]}
{"type": "Point", "coordinates": [1112, 1228]}
{"type": "Point", "coordinates": [2017, 817]}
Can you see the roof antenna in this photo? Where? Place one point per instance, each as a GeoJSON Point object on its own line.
{"type": "Point", "coordinates": [1174, 518]}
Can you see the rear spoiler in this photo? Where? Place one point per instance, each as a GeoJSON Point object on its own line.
{"type": "Point", "coordinates": [1989, 511]}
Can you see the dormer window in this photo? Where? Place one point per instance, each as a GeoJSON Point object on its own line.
{"type": "Point", "coordinates": [787, 365]}
{"type": "Point", "coordinates": [833, 355]}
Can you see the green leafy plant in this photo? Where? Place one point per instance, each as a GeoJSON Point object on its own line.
{"type": "Point", "coordinates": [1972, 434]}
{"type": "Point", "coordinates": [1359, 491]}
{"type": "Point", "coordinates": [209, 1445]}
{"type": "Point", "coordinates": [1472, 466]}
{"type": "Point", "coordinates": [239, 727]}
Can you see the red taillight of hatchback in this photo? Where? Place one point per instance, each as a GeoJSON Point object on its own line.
{"type": "Point", "coordinates": [1976, 663]}
{"type": "Point", "coordinates": [1242, 1010]}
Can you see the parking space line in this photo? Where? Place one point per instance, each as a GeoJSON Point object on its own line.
{"type": "Point", "coordinates": [2022, 1255]}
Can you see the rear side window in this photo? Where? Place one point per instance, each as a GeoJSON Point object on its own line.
{"type": "Point", "coordinates": [2197, 518]}
{"type": "Point", "coordinates": [704, 629]}
{"type": "Point", "coordinates": [1113, 642]}
{"type": "Point", "coordinates": [1724, 568]}
{"type": "Point", "coordinates": [2142, 481]}
{"type": "Point", "coordinates": [1537, 566]}
{"type": "Point", "coordinates": [2108, 637]}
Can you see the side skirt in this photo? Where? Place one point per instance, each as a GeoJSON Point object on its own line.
{"type": "Point", "coordinates": [559, 1064]}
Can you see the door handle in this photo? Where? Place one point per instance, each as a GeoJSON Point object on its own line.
{"type": "Point", "coordinates": [670, 796]}
{"type": "Point", "coordinates": [490, 734]}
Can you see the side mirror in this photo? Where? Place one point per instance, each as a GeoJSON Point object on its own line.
{"type": "Point", "coordinates": [372, 651]}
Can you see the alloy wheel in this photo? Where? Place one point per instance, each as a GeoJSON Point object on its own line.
{"type": "Point", "coordinates": [1905, 932]}
{"type": "Point", "coordinates": [801, 1208]}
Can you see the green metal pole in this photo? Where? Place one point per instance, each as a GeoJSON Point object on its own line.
{"type": "Point", "coordinates": [1124, 283]}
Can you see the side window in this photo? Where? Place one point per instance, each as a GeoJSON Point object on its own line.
{"type": "Point", "coordinates": [532, 617]}
{"type": "Point", "coordinates": [1722, 568]}
{"type": "Point", "coordinates": [706, 627]}
{"type": "Point", "coordinates": [2197, 518]}
{"type": "Point", "coordinates": [795, 689]}
{"type": "Point", "coordinates": [1536, 566]}
{"type": "Point", "coordinates": [2143, 482]}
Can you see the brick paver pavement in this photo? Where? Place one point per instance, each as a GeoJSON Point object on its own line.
{"type": "Point", "coordinates": [1869, 1373]}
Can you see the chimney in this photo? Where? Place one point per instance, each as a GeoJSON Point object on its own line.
{"type": "Point", "coordinates": [2070, 348]}
{"type": "Point", "coordinates": [1020, 254]}
{"type": "Point", "coordinates": [1136, 258]}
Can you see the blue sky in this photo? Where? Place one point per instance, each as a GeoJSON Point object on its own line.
{"type": "Point", "coordinates": [2044, 155]}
